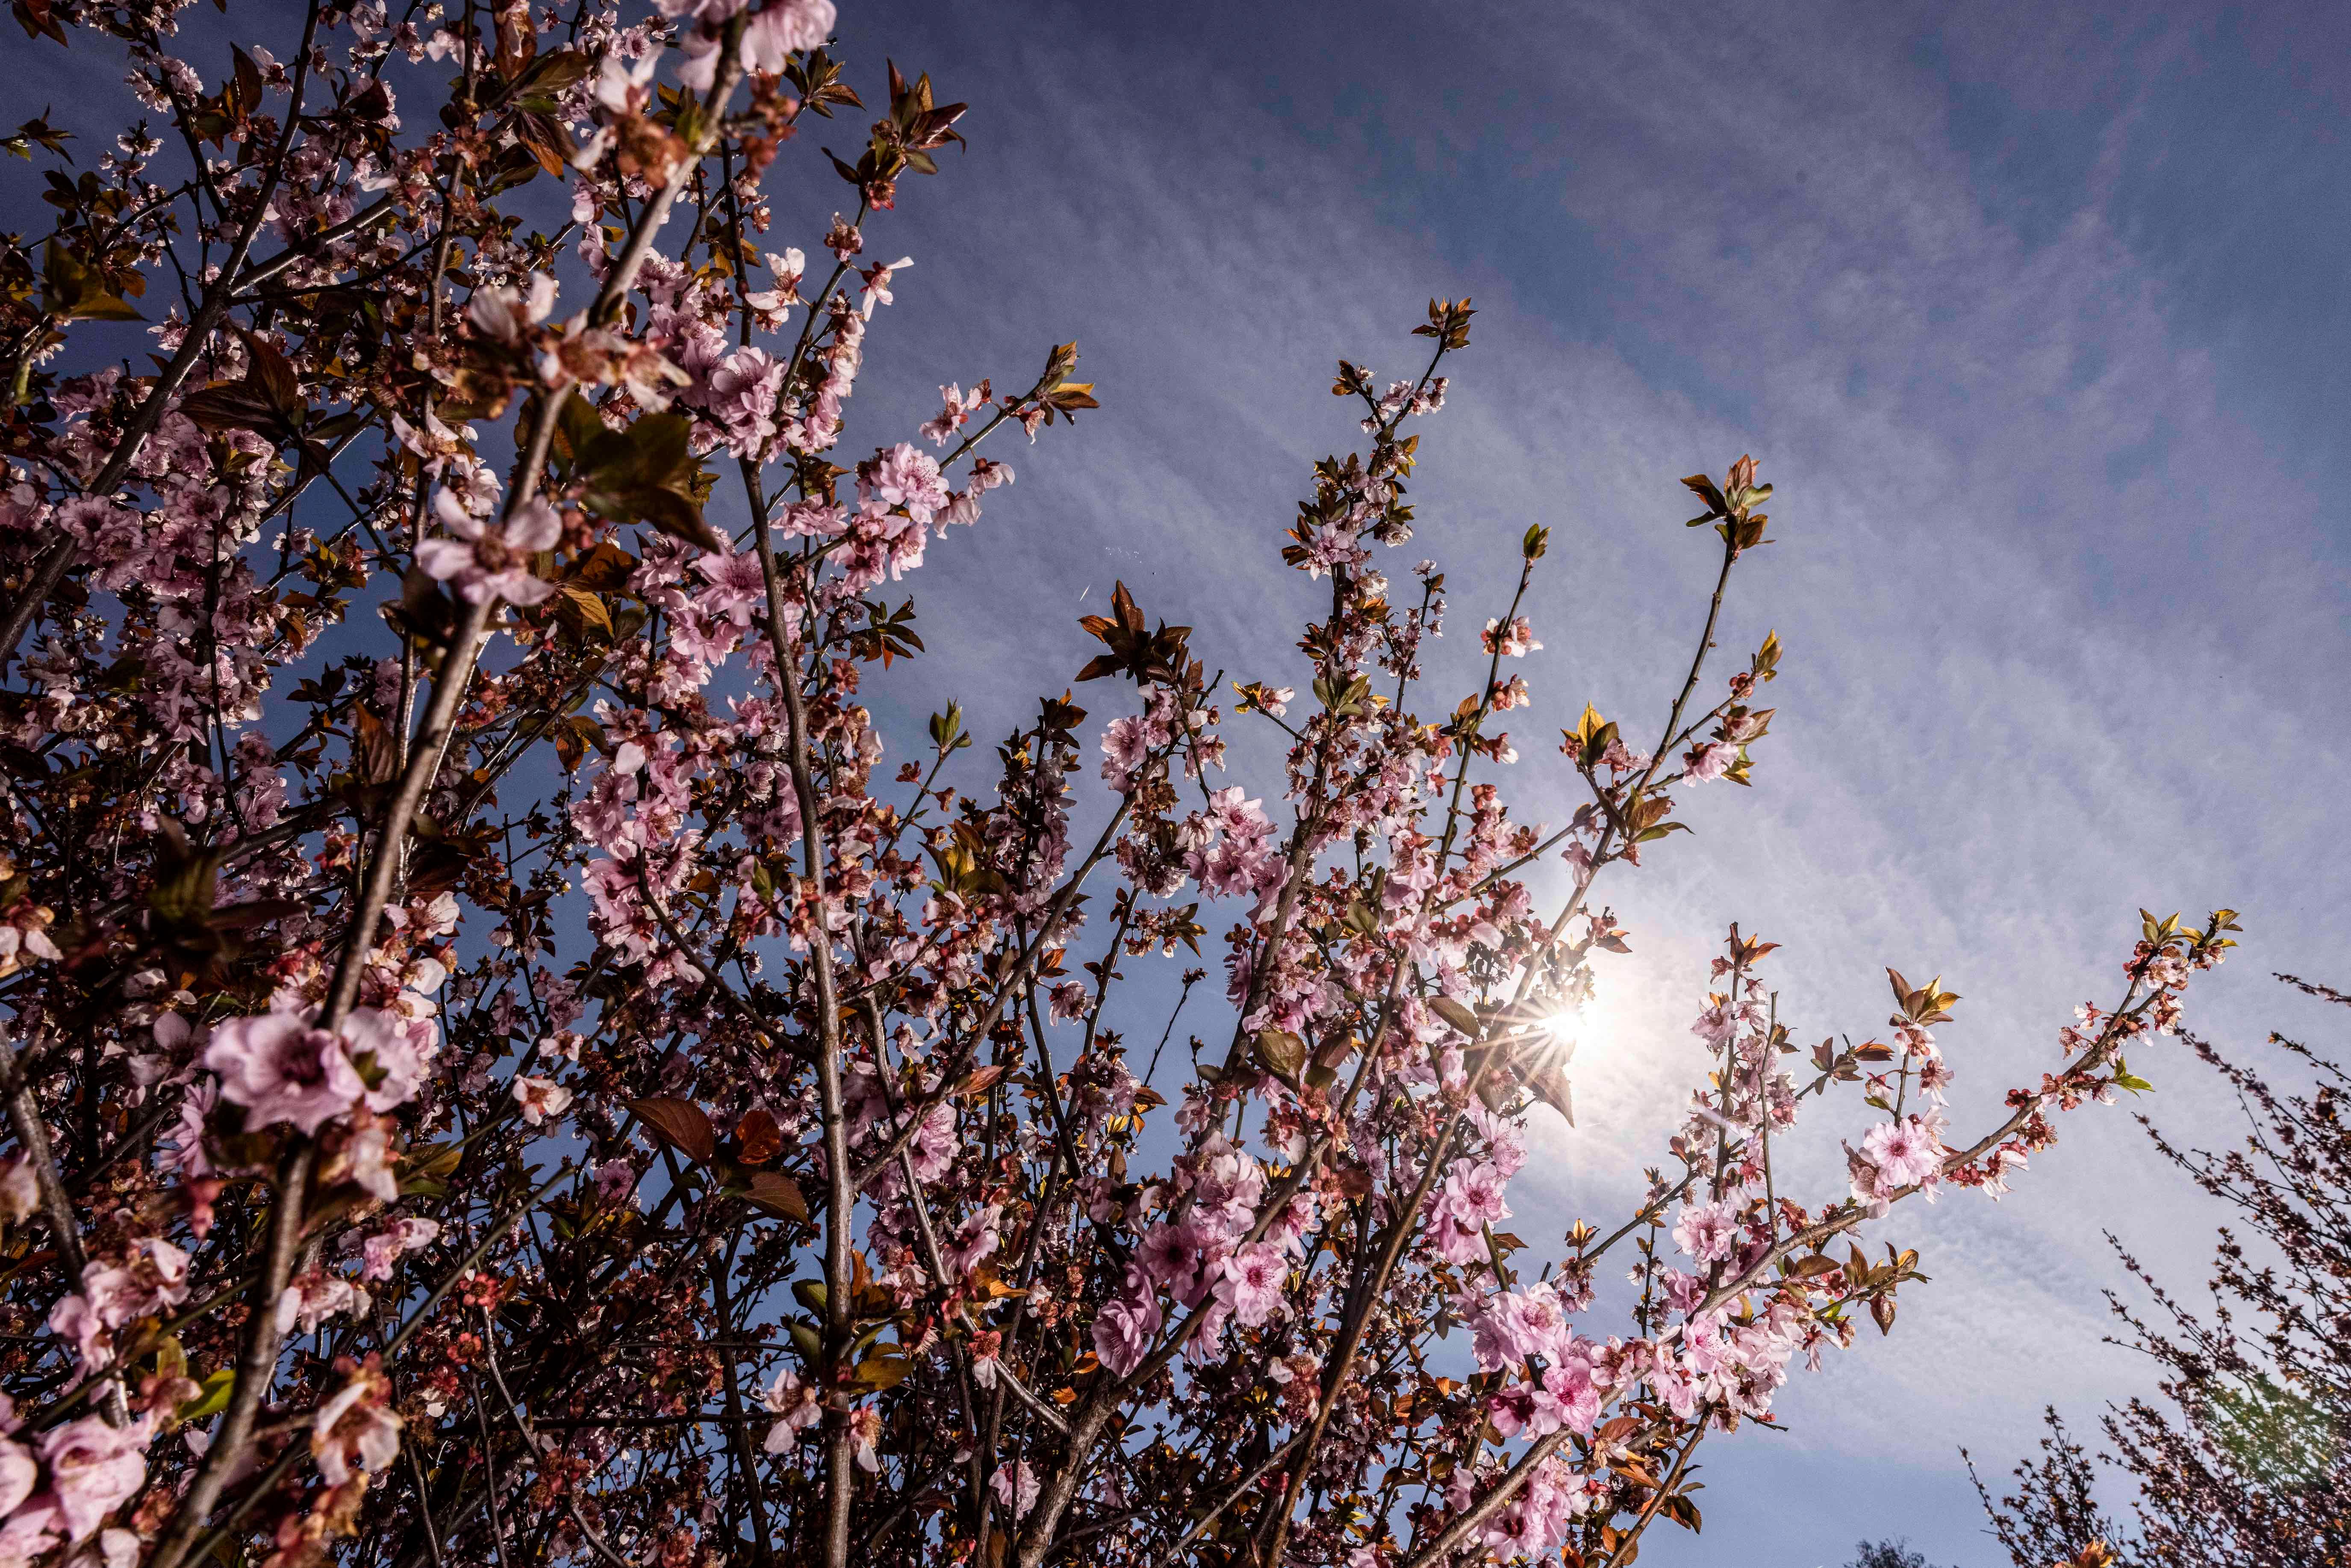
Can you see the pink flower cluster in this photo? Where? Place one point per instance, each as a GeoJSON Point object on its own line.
{"type": "Point", "coordinates": [283, 1069]}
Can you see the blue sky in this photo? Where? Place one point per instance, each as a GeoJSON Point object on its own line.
{"type": "Point", "coordinates": [2035, 314]}
{"type": "Point", "coordinates": [2032, 312]}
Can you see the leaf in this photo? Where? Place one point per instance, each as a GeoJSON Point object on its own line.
{"type": "Point", "coordinates": [73, 291]}
{"type": "Point", "coordinates": [883, 1369]}
{"type": "Point", "coordinates": [1157, 655]}
{"type": "Point", "coordinates": [778, 1194]}
{"type": "Point", "coordinates": [977, 1083]}
{"type": "Point", "coordinates": [549, 74]}
{"type": "Point", "coordinates": [757, 1138]}
{"type": "Point", "coordinates": [641, 474]}
{"type": "Point", "coordinates": [1460, 1017]}
{"type": "Point", "coordinates": [1550, 1084]}
{"type": "Point", "coordinates": [268, 400]}
{"type": "Point", "coordinates": [375, 755]}
{"type": "Point", "coordinates": [578, 609]}
{"type": "Point", "coordinates": [1282, 1054]}
{"type": "Point", "coordinates": [603, 569]}
{"type": "Point", "coordinates": [245, 81]}
{"type": "Point", "coordinates": [213, 1400]}
{"type": "Point", "coordinates": [34, 17]}
{"type": "Point", "coordinates": [429, 1167]}
{"type": "Point", "coordinates": [423, 611]}
{"type": "Point", "coordinates": [183, 891]}
{"type": "Point", "coordinates": [679, 1124]}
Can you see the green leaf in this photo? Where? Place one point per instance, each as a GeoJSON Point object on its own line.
{"type": "Point", "coordinates": [1281, 1052]}
{"type": "Point", "coordinates": [214, 1397]}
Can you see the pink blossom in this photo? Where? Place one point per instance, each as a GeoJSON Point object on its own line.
{"type": "Point", "coordinates": [356, 1425]}
{"type": "Point", "coordinates": [1512, 640]}
{"type": "Point", "coordinates": [31, 1532]}
{"type": "Point", "coordinates": [973, 1241]}
{"type": "Point", "coordinates": [1906, 1152]}
{"type": "Point", "coordinates": [904, 475]}
{"type": "Point", "coordinates": [795, 1406]}
{"type": "Point", "coordinates": [1125, 748]}
{"type": "Point", "coordinates": [745, 388]}
{"type": "Point", "coordinates": [20, 1192]}
{"type": "Point", "coordinates": [314, 1296]}
{"type": "Point", "coordinates": [539, 1098]}
{"type": "Point", "coordinates": [616, 1180]}
{"type": "Point", "coordinates": [506, 314]}
{"type": "Point", "coordinates": [487, 560]}
{"type": "Point", "coordinates": [934, 1144]}
{"type": "Point", "coordinates": [1710, 762]}
{"type": "Point", "coordinates": [1707, 1232]}
{"type": "Point", "coordinates": [1252, 1283]}
{"type": "Point", "coordinates": [811, 519]}
{"type": "Point", "coordinates": [877, 283]}
{"type": "Point", "coordinates": [1014, 1486]}
{"type": "Point", "coordinates": [781, 27]}
{"type": "Point", "coordinates": [738, 588]}
{"type": "Point", "coordinates": [958, 409]}
{"type": "Point", "coordinates": [93, 1467]}
{"type": "Point", "coordinates": [1068, 1002]}
{"type": "Point", "coordinates": [865, 1431]}
{"type": "Point", "coordinates": [1571, 1383]}
{"type": "Point", "coordinates": [1518, 1324]}
{"type": "Point", "coordinates": [1528, 1407]}
{"type": "Point", "coordinates": [1475, 1195]}
{"type": "Point", "coordinates": [383, 1049]}
{"type": "Point", "coordinates": [281, 1069]}
{"type": "Point", "coordinates": [382, 1251]}
{"type": "Point", "coordinates": [1127, 1324]}
{"type": "Point", "coordinates": [18, 1475]}
{"type": "Point", "coordinates": [1167, 1255]}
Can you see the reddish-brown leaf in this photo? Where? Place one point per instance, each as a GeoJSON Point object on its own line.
{"type": "Point", "coordinates": [679, 1124]}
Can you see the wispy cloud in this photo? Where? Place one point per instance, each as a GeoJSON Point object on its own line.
{"type": "Point", "coordinates": [2064, 608]}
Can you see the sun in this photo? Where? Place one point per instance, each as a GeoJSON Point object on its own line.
{"type": "Point", "coordinates": [1585, 1024]}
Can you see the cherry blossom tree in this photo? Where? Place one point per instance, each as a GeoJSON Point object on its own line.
{"type": "Point", "coordinates": [1888, 1554]}
{"type": "Point", "coordinates": [2243, 1458]}
{"type": "Point", "coordinates": [511, 1059]}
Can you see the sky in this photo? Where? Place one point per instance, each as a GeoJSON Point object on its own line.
{"type": "Point", "coordinates": [2033, 314]}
